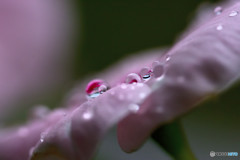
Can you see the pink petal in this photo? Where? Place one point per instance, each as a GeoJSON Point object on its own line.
{"type": "Point", "coordinates": [204, 63]}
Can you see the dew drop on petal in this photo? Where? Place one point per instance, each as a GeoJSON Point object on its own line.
{"type": "Point", "coordinates": [219, 27]}
{"type": "Point", "coordinates": [87, 115]}
{"type": "Point", "coordinates": [133, 78]}
{"type": "Point", "coordinates": [233, 13]}
{"type": "Point", "coordinates": [146, 73]}
{"type": "Point", "coordinates": [218, 10]}
{"type": "Point", "coordinates": [96, 87]}
{"type": "Point", "coordinates": [168, 58]}
{"type": "Point", "coordinates": [133, 108]}
{"type": "Point", "coordinates": [103, 88]}
{"type": "Point", "coordinates": [42, 136]}
{"type": "Point", "coordinates": [158, 70]}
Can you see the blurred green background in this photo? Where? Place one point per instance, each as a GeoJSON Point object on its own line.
{"type": "Point", "coordinates": [112, 29]}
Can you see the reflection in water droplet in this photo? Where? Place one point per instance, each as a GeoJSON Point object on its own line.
{"type": "Point", "coordinates": [134, 108]}
{"type": "Point", "coordinates": [218, 10]}
{"type": "Point", "coordinates": [87, 115]}
{"type": "Point", "coordinates": [96, 87]}
{"type": "Point", "coordinates": [158, 70]}
{"type": "Point", "coordinates": [146, 73]}
{"type": "Point", "coordinates": [233, 13]}
{"type": "Point", "coordinates": [219, 27]}
{"type": "Point", "coordinates": [133, 78]}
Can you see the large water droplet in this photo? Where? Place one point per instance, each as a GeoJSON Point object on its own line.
{"type": "Point", "coordinates": [134, 108]}
{"type": "Point", "coordinates": [233, 13]}
{"type": "Point", "coordinates": [158, 70]}
{"type": "Point", "coordinates": [96, 87]}
{"type": "Point", "coordinates": [146, 73]}
{"type": "Point", "coordinates": [133, 78]}
{"type": "Point", "coordinates": [219, 27]}
{"type": "Point", "coordinates": [218, 10]}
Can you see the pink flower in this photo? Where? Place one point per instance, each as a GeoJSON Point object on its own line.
{"type": "Point", "coordinates": [203, 63]}
{"type": "Point", "coordinates": [33, 38]}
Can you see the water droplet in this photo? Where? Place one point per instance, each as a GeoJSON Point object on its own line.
{"type": "Point", "coordinates": [96, 87]}
{"type": "Point", "coordinates": [233, 13]}
{"type": "Point", "coordinates": [219, 27]}
{"type": "Point", "coordinates": [134, 108]}
{"type": "Point", "coordinates": [168, 58]}
{"type": "Point", "coordinates": [133, 78]}
{"type": "Point", "coordinates": [102, 88]}
{"type": "Point", "coordinates": [146, 73]}
{"type": "Point", "coordinates": [87, 115]}
{"type": "Point", "coordinates": [158, 70]}
{"type": "Point", "coordinates": [218, 10]}
{"type": "Point", "coordinates": [42, 136]}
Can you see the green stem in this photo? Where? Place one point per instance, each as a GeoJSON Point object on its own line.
{"type": "Point", "coordinates": [172, 138]}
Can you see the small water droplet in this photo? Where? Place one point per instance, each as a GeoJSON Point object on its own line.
{"type": "Point", "coordinates": [102, 88]}
{"type": "Point", "coordinates": [96, 87]}
{"type": "Point", "coordinates": [146, 73]}
{"type": "Point", "coordinates": [218, 10]}
{"type": "Point", "coordinates": [42, 136]}
{"type": "Point", "coordinates": [219, 27]}
{"type": "Point", "coordinates": [133, 78]}
{"type": "Point", "coordinates": [158, 70]}
{"type": "Point", "coordinates": [233, 13]}
{"type": "Point", "coordinates": [134, 108]}
{"type": "Point", "coordinates": [87, 115]}
{"type": "Point", "coordinates": [168, 58]}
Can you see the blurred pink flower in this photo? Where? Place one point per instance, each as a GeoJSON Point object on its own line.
{"type": "Point", "coordinates": [203, 63]}
{"type": "Point", "coordinates": [33, 58]}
